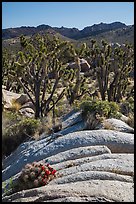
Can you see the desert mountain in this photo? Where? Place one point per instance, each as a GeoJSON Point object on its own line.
{"type": "Point", "coordinates": [115, 32]}
{"type": "Point", "coordinates": [73, 33]}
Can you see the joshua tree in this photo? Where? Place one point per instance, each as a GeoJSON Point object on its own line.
{"type": "Point", "coordinates": [112, 67]}
{"type": "Point", "coordinates": [122, 66]}
{"type": "Point", "coordinates": [7, 66]}
{"type": "Point", "coordinates": [76, 88]}
{"type": "Point", "coordinates": [38, 70]}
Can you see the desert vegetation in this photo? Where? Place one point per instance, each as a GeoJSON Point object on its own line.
{"type": "Point", "coordinates": [40, 70]}
{"type": "Point", "coordinates": [32, 175]}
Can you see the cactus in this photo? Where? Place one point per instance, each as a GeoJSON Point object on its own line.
{"type": "Point", "coordinates": [35, 175]}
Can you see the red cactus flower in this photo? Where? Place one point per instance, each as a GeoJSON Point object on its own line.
{"type": "Point", "coordinates": [43, 168]}
{"type": "Point", "coordinates": [53, 172]}
{"type": "Point", "coordinates": [47, 172]}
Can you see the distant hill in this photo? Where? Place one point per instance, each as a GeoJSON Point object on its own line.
{"type": "Point", "coordinates": [121, 35]}
{"type": "Point", "coordinates": [115, 32]}
{"type": "Point", "coordinates": [98, 29]}
{"type": "Point", "coordinates": [29, 31]}
{"type": "Point", "coordinates": [73, 33]}
{"type": "Point", "coordinates": [13, 44]}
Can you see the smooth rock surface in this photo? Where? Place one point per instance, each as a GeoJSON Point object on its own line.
{"type": "Point", "coordinates": [92, 190]}
{"type": "Point", "coordinates": [123, 165]}
{"type": "Point", "coordinates": [63, 159]}
{"type": "Point", "coordinates": [115, 124]}
{"type": "Point", "coordinates": [74, 128]}
{"type": "Point", "coordinates": [95, 158]}
{"type": "Point", "coordinates": [117, 142]}
{"type": "Point", "coordinates": [71, 119]}
{"type": "Point", "coordinates": [77, 153]}
{"type": "Point", "coordinates": [91, 175]}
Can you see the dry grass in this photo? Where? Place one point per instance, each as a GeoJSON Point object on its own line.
{"type": "Point", "coordinates": [15, 106]}
{"type": "Point", "coordinates": [108, 126]}
{"type": "Point", "coordinates": [130, 121]}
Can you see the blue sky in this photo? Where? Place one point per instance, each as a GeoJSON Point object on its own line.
{"type": "Point", "coordinates": [67, 14]}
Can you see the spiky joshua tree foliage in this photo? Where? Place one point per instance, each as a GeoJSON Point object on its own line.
{"type": "Point", "coordinates": [38, 70]}
{"type": "Point", "coordinates": [112, 67]}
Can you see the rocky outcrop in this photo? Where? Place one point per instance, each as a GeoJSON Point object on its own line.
{"type": "Point", "coordinates": [81, 191]}
{"type": "Point", "coordinates": [100, 176]}
{"type": "Point", "coordinates": [27, 109]}
{"type": "Point", "coordinates": [71, 122]}
{"type": "Point", "coordinates": [92, 165]}
{"type": "Point", "coordinates": [72, 118]}
{"type": "Point", "coordinates": [10, 97]}
{"type": "Point", "coordinates": [115, 124]}
{"type": "Point", "coordinates": [85, 67]}
{"type": "Point", "coordinates": [117, 142]}
{"type": "Point", "coordinates": [28, 112]}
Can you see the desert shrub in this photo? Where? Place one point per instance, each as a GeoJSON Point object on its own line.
{"type": "Point", "coordinates": [114, 110]}
{"type": "Point", "coordinates": [62, 110]}
{"type": "Point", "coordinates": [33, 175]}
{"type": "Point", "coordinates": [103, 108]}
{"type": "Point", "coordinates": [127, 107]}
{"type": "Point", "coordinates": [9, 118]}
{"type": "Point", "coordinates": [14, 135]}
{"type": "Point", "coordinates": [95, 111]}
{"type": "Point", "coordinates": [7, 186]}
{"type": "Point", "coordinates": [131, 100]}
{"type": "Point", "coordinates": [92, 120]}
{"type": "Point", "coordinates": [130, 121]}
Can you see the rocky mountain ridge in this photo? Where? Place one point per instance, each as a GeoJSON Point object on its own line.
{"type": "Point", "coordinates": [72, 33]}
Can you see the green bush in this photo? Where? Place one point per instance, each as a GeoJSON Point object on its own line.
{"type": "Point", "coordinates": [103, 108]}
{"type": "Point", "coordinates": [114, 110]}
{"type": "Point", "coordinates": [95, 111]}
{"type": "Point", "coordinates": [127, 107]}
{"type": "Point", "coordinates": [14, 135]}
{"type": "Point", "coordinates": [9, 118]}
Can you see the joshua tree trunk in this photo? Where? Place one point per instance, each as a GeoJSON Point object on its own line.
{"type": "Point", "coordinates": [37, 101]}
